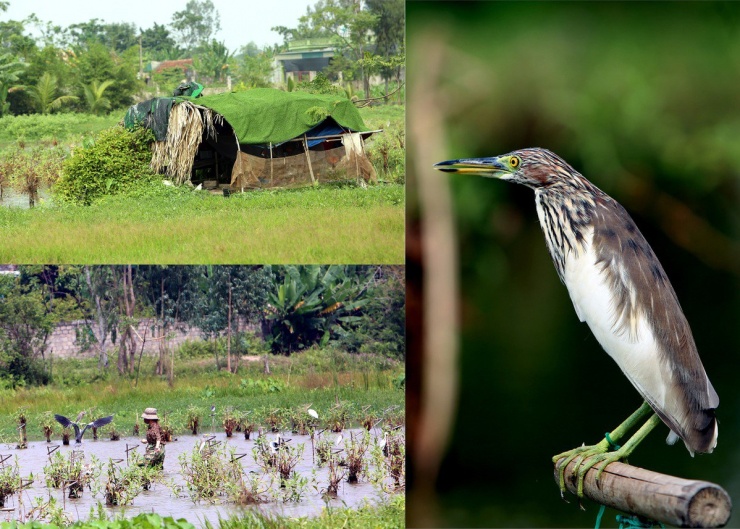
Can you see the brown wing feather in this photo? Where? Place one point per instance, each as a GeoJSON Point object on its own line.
{"type": "Point", "coordinates": [616, 237]}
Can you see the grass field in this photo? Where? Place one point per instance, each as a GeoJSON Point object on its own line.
{"type": "Point", "coordinates": [328, 224]}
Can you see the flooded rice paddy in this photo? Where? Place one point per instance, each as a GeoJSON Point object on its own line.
{"type": "Point", "coordinates": [163, 498]}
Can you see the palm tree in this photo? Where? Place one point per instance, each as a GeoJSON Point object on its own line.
{"type": "Point", "coordinates": [214, 59]}
{"type": "Point", "coordinates": [97, 103]}
{"type": "Point", "coordinates": [45, 96]}
{"type": "Point", "coordinates": [9, 70]}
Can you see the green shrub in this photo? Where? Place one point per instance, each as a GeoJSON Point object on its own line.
{"type": "Point", "coordinates": [116, 162]}
{"type": "Point", "coordinates": [387, 153]}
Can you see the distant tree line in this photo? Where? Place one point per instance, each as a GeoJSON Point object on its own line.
{"type": "Point", "coordinates": [94, 66]}
{"type": "Point", "coordinates": [355, 308]}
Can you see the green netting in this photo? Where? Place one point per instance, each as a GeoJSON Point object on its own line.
{"type": "Point", "coordinates": [153, 114]}
{"type": "Point", "coordinates": [265, 115]}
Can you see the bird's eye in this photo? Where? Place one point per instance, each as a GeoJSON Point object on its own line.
{"type": "Point", "coordinates": [514, 161]}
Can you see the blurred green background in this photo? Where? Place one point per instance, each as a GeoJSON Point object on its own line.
{"type": "Point", "coordinates": [644, 100]}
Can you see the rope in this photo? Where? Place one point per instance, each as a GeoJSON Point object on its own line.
{"type": "Point", "coordinates": [628, 522]}
{"type": "Point", "coordinates": [598, 516]}
{"type": "Point", "coordinates": [636, 522]}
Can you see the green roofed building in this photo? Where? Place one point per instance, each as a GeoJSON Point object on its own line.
{"type": "Point", "coordinates": [257, 138]}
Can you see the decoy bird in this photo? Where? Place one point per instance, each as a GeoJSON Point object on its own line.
{"type": "Point", "coordinates": [313, 413]}
{"type": "Point", "coordinates": [278, 443]}
{"type": "Point", "coordinates": [619, 288]}
{"type": "Point", "coordinates": [66, 423]}
{"type": "Point", "coordinates": [384, 444]}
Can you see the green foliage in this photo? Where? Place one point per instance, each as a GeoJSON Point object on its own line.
{"type": "Point", "coordinates": [25, 324]}
{"type": "Point", "coordinates": [254, 68]}
{"type": "Point", "coordinates": [98, 64]}
{"type": "Point", "coordinates": [140, 521]}
{"type": "Point", "coordinates": [45, 94]}
{"type": "Point", "coordinates": [29, 170]}
{"type": "Point", "coordinates": [52, 128]}
{"type": "Point", "coordinates": [117, 162]}
{"type": "Point", "coordinates": [96, 102]}
{"type": "Point", "coordinates": [213, 60]}
{"type": "Point", "coordinates": [209, 471]}
{"type": "Point", "coordinates": [10, 69]}
{"type": "Point", "coordinates": [158, 44]}
{"type": "Point", "coordinates": [196, 24]}
{"type": "Point", "coordinates": [387, 153]}
{"type": "Point", "coordinates": [320, 85]}
{"type": "Point", "coordinates": [311, 303]}
{"type": "Point", "coordinates": [261, 385]}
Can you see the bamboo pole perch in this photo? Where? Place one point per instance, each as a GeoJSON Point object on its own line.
{"type": "Point", "coordinates": [667, 499]}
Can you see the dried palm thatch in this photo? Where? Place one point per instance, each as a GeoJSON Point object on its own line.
{"type": "Point", "coordinates": [184, 133]}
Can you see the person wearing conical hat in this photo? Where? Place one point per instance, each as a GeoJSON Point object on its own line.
{"type": "Point", "coordinates": [154, 438]}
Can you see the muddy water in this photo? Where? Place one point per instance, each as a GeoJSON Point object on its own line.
{"type": "Point", "coordinates": [161, 499]}
{"type": "Point", "coordinates": [13, 199]}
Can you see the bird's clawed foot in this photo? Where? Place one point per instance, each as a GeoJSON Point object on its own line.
{"type": "Point", "coordinates": [586, 457]}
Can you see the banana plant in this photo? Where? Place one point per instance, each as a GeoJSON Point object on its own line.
{"type": "Point", "coordinates": [312, 303]}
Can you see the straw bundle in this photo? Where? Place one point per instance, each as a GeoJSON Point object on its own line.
{"type": "Point", "coordinates": [184, 133]}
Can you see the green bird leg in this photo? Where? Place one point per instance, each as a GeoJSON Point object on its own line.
{"type": "Point", "coordinates": [586, 452]}
{"type": "Point", "coordinates": [619, 454]}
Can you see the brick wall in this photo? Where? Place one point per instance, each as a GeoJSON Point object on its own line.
{"type": "Point", "coordinates": [63, 340]}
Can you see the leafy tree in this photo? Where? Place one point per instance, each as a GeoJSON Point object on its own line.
{"type": "Point", "coordinates": [381, 327]}
{"type": "Point", "coordinates": [389, 36]}
{"type": "Point", "coordinates": [164, 290]}
{"type": "Point", "coordinates": [96, 102]}
{"type": "Point", "coordinates": [254, 67]}
{"type": "Point", "coordinates": [25, 326]}
{"type": "Point", "coordinates": [196, 24]}
{"type": "Point", "coordinates": [310, 304]}
{"type": "Point", "coordinates": [213, 59]}
{"type": "Point", "coordinates": [351, 27]}
{"type": "Point", "coordinates": [10, 69]}
{"type": "Point", "coordinates": [97, 63]}
{"type": "Point", "coordinates": [14, 41]}
{"type": "Point", "coordinates": [45, 94]}
{"type": "Point", "coordinates": [117, 36]}
{"type": "Point", "coordinates": [158, 44]}
{"type": "Point", "coordinates": [217, 295]}
{"type": "Point", "coordinates": [49, 60]}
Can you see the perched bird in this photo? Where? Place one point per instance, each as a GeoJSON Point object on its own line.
{"type": "Point", "coordinates": [313, 413]}
{"type": "Point", "coordinates": [66, 423]}
{"type": "Point", "coordinates": [621, 291]}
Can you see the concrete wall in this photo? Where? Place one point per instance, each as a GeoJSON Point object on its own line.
{"type": "Point", "coordinates": [63, 340]}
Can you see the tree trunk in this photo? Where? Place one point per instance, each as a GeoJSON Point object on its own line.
{"type": "Point", "coordinates": [160, 332]}
{"type": "Point", "coordinates": [228, 335]}
{"type": "Point", "coordinates": [102, 328]}
{"type": "Point", "coordinates": [128, 294]}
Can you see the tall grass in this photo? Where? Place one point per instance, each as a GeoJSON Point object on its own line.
{"type": "Point", "coordinates": [342, 224]}
{"type": "Point", "coordinates": [37, 129]}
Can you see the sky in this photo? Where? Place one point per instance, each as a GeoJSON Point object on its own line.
{"type": "Point", "coordinates": [241, 21]}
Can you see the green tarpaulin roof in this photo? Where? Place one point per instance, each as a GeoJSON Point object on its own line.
{"type": "Point", "coordinates": [265, 115]}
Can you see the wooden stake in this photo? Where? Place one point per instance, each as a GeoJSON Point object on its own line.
{"type": "Point", "coordinates": [305, 146]}
{"type": "Point", "coordinates": [659, 497]}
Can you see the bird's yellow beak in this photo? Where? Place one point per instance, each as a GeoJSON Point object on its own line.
{"type": "Point", "coordinates": [490, 167]}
